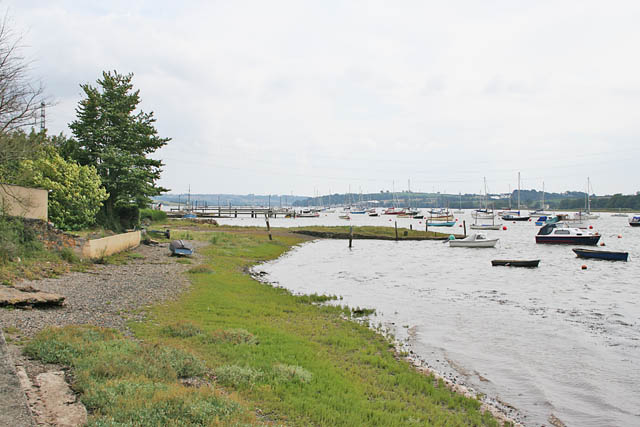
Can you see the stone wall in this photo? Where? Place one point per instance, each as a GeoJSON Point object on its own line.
{"type": "Point", "coordinates": [29, 203]}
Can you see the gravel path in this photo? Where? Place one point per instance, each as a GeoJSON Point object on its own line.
{"type": "Point", "coordinates": [108, 295]}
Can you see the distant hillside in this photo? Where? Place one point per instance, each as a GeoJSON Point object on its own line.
{"type": "Point", "coordinates": [230, 199]}
{"type": "Point", "coordinates": [529, 199]}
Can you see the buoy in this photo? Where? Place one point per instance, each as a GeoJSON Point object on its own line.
{"type": "Point", "coordinates": [591, 227]}
{"type": "Point", "coordinates": [419, 222]}
{"type": "Point", "coordinates": [529, 219]}
{"type": "Point", "coordinates": [459, 225]}
{"type": "Point", "coordinates": [619, 236]}
{"type": "Point", "coordinates": [602, 244]}
{"type": "Point", "coordinates": [504, 227]}
{"type": "Point", "coordinates": [584, 267]}
{"type": "Point", "coordinates": [514, 222]}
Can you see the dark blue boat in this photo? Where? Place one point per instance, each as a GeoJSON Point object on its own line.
{"type": "Point", "coordinates": [608, 255]}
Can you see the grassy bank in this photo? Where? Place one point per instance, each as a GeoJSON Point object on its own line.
{"type": "Point", "coordinates": [270, 356]}
{"type": "Point", "coordinates": [371, 232]}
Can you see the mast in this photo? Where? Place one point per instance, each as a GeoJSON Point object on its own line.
{"type": "Point", "coordinates": [542, 196]}
{"type": "Point", "coordinates": [518, 193]}
{"type": "Point", "coordinates": [588, 198]}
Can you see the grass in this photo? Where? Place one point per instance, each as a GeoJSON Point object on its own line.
{"type": "Point", "coordinates": [370, 232]}
{"type": "Point", "coordinates": [280, 359]}
{"type": "Point", "coordinates": [122, 382]}
{"type": "Point", "coordinates": [300, 362]}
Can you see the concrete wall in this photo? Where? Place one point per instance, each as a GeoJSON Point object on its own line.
{"type": "Point", "coordinates": [98, 248]}
{"type": "Point", "coordinates": [30, 203]}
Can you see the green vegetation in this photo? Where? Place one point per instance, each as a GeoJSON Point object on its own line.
{"type": "Point", "coordinates": [152, 215]}
{"type": "Point", "coordinates": [122, 382]}
{"type": "Point", "coordinates": [301, 363]}
{"type": "Point", "coordinates": [112, 135]}
{"type": "Point", "coordinates": [370, 232]}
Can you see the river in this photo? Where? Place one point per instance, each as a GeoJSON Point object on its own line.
{"type": "Point", "coordinates": [557, 340]}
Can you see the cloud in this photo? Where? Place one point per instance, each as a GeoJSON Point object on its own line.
{"type": "Point", "coordinates": [293, 96]}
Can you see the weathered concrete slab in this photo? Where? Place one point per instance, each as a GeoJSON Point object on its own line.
{"type": "Point", "coordinates": [13, 402]}
{"type": "Point", "coordinates": [29, 296]}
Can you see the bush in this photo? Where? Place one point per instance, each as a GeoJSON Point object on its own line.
{"type": "Point", "coordinates": [152, 215]}
{"type": "Point", "coordinates": [16, 239]}
{"type": "Point", "coordinates": [234, 375]}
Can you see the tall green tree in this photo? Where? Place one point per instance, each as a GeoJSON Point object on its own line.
{"type": "Point", "coordinates": [116, 138]}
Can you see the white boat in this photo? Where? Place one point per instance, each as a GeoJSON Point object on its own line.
{"type": "Point", "coordinates": [518, 216]}
{"type": "Point", "coordinates": [476, 240]}
{"type": "Point", "coordinates": [485, 226]}
{"type": "Point", "coordinates": [586, 213]}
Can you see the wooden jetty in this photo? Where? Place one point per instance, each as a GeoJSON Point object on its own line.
{"type": "Point", "coordinates": [231, 212]}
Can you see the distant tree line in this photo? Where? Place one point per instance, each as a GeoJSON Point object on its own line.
{"type": "Point", "coordinates": [531, 199]}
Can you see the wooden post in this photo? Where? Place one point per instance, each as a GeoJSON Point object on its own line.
{"type": "Point", "coordinates": [350, 235]}
{"type": "Point", "coordinates": [426, 226]}
{"type": "Point", "coordinates": [236, 213]}
{"type": "Point", "coordinates": [266, 218]}
{"type": "Point", "coordinates": [411, 227]}
{"type": "Point", "coordinates": [396, 225]}
{"type": "Point", "coordinates": [464, 225]}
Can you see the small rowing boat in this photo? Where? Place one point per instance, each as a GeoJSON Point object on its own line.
{"type": "Point", "coordinates": [608, 255]}
{"type": "Point", "coordinates": [515, 262]}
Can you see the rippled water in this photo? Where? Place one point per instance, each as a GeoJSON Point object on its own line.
{"type": "Point", "coordinates": [553, 340]}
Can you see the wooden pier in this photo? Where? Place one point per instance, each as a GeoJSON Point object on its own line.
{"type": "Point", "coordinates": [231, 212]}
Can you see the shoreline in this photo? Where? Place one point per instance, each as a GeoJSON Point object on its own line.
{"type": "Point", "coordinates": [403, 351]}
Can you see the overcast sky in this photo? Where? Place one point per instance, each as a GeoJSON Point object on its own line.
{"type": "Point", "coordinates": [309, 97]}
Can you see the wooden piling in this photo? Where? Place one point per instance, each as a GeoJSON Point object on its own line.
{"type": "Point", "coordinates": [266, 218]}
{"type": "Point", "coordinates": [396, 225]}
{"type": "Point", "coordinates": [464, 227]}
{"type": "Point", "coordinates": [350, 235]}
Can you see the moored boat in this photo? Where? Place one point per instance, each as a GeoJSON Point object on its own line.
{"type": "Point", "coordinates": [635, 221]}
{"type": "Point", "coordinates": [607, 255]}
{"type": "Point", "coordinates": [561, 233]}
{"type": "Point", "coordinates": [485, 226]}
{"type": "Point", "coordinates": [441, 223]}
{"type": "Point", "coordinates": [476, 240]}
{"type": "Point", "coordinates": [515, 262]}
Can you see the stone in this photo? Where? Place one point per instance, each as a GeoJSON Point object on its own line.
{"type": "Point", "coordinates": [29, 297]}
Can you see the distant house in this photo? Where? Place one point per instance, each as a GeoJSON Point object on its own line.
{"type": "Point", "coordinates": [30, 203]}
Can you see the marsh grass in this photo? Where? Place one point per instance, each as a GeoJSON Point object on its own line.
{"type": "Point", "coordinates": [122, 382]}
{"type": "Point", "coordinates": [296, 359]}
{"type": "Point", "coordinates": [374, 231]}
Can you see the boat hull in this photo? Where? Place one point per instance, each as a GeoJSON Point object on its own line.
{"type": "Point", "coordinates": [634, 224]}
{"type": "Point", "coordinates": [568, 240]}
{"type": "Point", "coordinates": [474, 244]}
{"type": "Point", "coordinates": [606, 255]}
{"type": "Point", "coordinates": [484, 227]}
{"type": "Point", "coordinates": [515, 263]}
{"type": "Point", "coordinates": [441, 224]}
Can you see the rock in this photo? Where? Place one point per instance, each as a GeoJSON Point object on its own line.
{"type": "Point", "coordinates": [28, 297]}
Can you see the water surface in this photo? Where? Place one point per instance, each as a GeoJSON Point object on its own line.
{"type": "Point", "coordinates": [553, 340]}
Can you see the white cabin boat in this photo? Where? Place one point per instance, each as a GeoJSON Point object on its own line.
{"type": "Point", "coordinates": [476, 240]}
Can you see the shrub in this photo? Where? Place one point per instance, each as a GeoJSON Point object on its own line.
{"type": "Point", "coordinates": [152, 215]}
{"type": "Point", "coordinates": [291, 373]}
{"type": "Point", "coordinates": [232, 375]}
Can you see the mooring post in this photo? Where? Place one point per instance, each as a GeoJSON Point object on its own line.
{"type": "Point", "coordinates": [396, 225]}
{"type": "Point", "coordinates": [464, 225]}
{"type": "Point", "coordinates": [266, 218]}
{"type": "Point", "coordinates": [411, 227]}
{"type": "Point", "coordinates": [350, 235]}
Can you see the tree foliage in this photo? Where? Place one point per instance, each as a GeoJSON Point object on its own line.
{"type": "Point", "coordinates": [115, 138]}
{"type": "Point", "coordinates": [75, 192]}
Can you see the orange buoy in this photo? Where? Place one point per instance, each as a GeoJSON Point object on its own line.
{"type": "Point", "coordinates": [591, 227]}
{"type": "Point", "coordinates": [602, 244]}
{"type": "Point", "coordinates": [529, 219]}
{"type": "Point", "coordinates": [619, 236]}
{"type": "Point", "coordinates": [504, 227]}
{"type": "Point", "coordinates": [584, 267]}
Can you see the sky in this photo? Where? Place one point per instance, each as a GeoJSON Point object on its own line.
{"type": "Point", "coordinates": [311, 97]}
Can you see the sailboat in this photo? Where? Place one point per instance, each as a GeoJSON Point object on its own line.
{"type": "Point", "coordinates": [483, 213]}
{"type": "Point", "coordinates": [492, 226]}
{"type": "Point", "coordinates": [541, 212]}
{"type": "Point", "coordinates": [459, 210]}
{"type": "Point", "coordinates": [517, 216]}
{"type": "Point", "coordinates": [586, 213]}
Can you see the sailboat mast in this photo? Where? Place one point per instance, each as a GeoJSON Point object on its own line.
{"type": "Point", "coordinates": [588, 198]}
{"type": "Point", "coordinates": [518, 193]}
